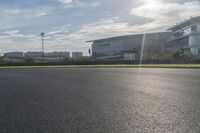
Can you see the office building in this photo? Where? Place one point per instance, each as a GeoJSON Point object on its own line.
{"type": "Point", "coordinates": [130, 47]}
{"type": "Point", "coordinates": [186, 35]}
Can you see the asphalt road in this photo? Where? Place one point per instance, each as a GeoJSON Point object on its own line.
{"type": "Point", "coordinates": [99, 100]}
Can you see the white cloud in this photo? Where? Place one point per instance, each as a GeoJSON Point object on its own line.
{"type": "Point", "coordinates": [27, 13]}
{"type": "Point", "coordinates": [14, 18]}
{"type": "Point", "coordinates": [67, 3]}
{"type": "Point", "coordinates": [163, 13]}
{"type": "Point", "coordinates": [41, 14]}
{"type": "Point", "coordinates": [10, 11]}
{"type": "Point", "coordinates": [79, 3]}
{"type": "Point", "coordinates": [11, 32]}
{"type": "Point", "coordinates": [54, 32]}
{"type": "Point", "coordinates": [110, 28]}
{"type": "Point", "coordinates": [86, 4]}
{"type": "Point", "coordinates": [14, 34]}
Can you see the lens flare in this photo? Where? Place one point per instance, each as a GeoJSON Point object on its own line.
{"type": "Point", "coordinates": [142, 48]}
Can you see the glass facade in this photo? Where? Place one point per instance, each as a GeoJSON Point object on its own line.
{"type": "Point", "coordinates": [194, 43]}
{"type": "Point", "coordinates": [187, 37]}
{"type": "Point", "coordinates": [126, 45]}
{"type": "Point", "coordinates": [187, 31]}
{"type": "Point", "coordinates": [198, 27]}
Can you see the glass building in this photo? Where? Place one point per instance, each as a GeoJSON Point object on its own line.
{"type": "Point", "coordinates": [130, 46]}
{"type": "Point", "coordinates": [186, 35]}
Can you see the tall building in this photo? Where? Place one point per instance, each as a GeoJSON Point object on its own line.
{"type": "Point", "coordinates": [129, 47]}
{"type": "Point", "coordinates": [186, 35]}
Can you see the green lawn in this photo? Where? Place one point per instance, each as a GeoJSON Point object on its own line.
{"type": "Point", "coordinates": [111, 66]}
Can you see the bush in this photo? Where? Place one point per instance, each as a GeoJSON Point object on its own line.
{"type": "Point", "coordinates": [2, 59]}
{"type": "Point", "coordinates": [181, 56]}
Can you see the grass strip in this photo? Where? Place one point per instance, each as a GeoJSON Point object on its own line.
{"type": "Point", "coordinates": [192, 66]}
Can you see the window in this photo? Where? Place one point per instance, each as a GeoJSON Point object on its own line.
{"type": "Point", "coordinates": [194, 28]}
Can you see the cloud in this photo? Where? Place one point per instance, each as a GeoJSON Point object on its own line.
{"type": "Point", "coordinates": [10, 11]}
{"type": "Point", "coordinates": [11, 32]}
{"type": "Point", "coordinates": [41, 14]}
{"type": "Point", "coordinates": [54, 32]}
{"type": "Point", "coordinates": [111, 27]}
{"type": "Point", "coordinates": [14, 18]}
{"type": "Point", "coordinates": [28, 13]}
{"type": "Point", "coordinates": [66, 2]}
{"type": "Point", "coordinates": [79, 3]}
{"type": "Point", "coordinates": [162, 13]}
{"type": "Point", "coordinates": [15, 34]}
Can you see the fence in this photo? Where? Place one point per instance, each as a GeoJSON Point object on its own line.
{"type": "Point", "coordinates": [97, 62]}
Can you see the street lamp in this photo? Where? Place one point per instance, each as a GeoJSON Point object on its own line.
{"type": "Point", "coordinates": [42, 35]}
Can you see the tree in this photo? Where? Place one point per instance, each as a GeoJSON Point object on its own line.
{"type": "Point", "coordinates": [1, 59]}
{"type": "Point", "coordinates": [181, 56]}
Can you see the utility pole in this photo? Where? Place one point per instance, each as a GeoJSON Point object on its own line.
{"type": "Point", "coordinates": [42, 35]}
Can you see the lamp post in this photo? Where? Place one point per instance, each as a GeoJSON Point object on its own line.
{"type": "Point", "coordinates": [42, 35]}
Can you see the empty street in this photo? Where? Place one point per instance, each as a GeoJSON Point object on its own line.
{"type": "Point", "coordinates": [99, 100]}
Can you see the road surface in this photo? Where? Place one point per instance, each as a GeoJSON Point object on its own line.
{"type": "Point", "coordinates": [99, 100]}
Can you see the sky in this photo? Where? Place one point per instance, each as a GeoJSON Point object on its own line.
{"type": "Point", "coordinates": [68, 24]}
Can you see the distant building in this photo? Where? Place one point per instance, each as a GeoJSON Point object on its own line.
{"type": "Point", "coordinates": [14, 56]}
{"type": "Point", "coordinates": [57, 54]}
{"type": "Point", "coordinates": [77, 55]}
{"type": "Point", "coordinates": [34, 54]}
{"type": "Point", "coordinates": [186, 35]}
{"type": "Point", "coordinates": [49, 57]}
{"type": "Point", "coordinates": [129, 47]}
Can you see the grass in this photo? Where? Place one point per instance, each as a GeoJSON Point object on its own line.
{"type": "Point", "coordinates": [194, 66]}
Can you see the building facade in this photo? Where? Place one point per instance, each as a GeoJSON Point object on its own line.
{"type": "Point", "coordinates": [48, 57]}
{"type": "Point", "coordinates": [186, 35]}
{"type": "Point", "coordinates": [35, 55]}
{"type": "Point", "coordinates": [14, 57]}
{"type": "Point", "coordinates": [129, 47]}
{"type": "Point", "coordinates": [77, 55]}
{"type": "Point", "coordinates": [57, 54]}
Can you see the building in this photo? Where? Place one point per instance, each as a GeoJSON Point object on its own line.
{"type": "Point", "coordinates": [130, 47]}
{"type": "Point", "coordinates": [77, 55]}
{"type": "Point", "coordinates": [57, 54]}
{"type": "Point", "coordinates": [34, 54]}
{"type": "Point", "coordinates": [14, 56]}
{"type": "Point", "coordinates": [49, 57]}
{"type": "Point", "coordinates": [186, 35]}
